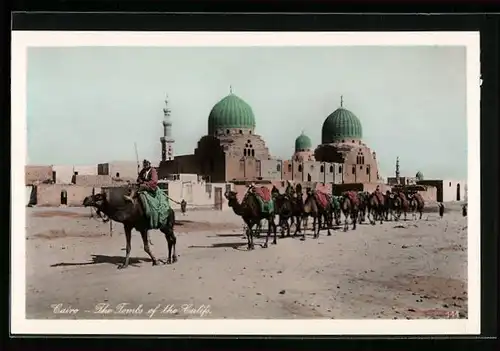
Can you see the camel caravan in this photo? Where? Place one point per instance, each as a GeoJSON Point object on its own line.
{"type": "Point", "coordinates": [326, 210]}
{"type": "Point", "coordinates": [145, 207]}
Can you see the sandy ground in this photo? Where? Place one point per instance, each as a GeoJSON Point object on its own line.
{"type": "Point", "coordinates": [412, 269]}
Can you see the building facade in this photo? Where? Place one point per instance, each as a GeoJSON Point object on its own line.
{"type": "Point", "coordinates": [233, 151]}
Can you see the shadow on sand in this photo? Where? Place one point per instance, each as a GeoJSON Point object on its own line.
{"type": "Point", "coordinates": [99, 259]}
{"type": "Point", "coordinates": [234, 235]}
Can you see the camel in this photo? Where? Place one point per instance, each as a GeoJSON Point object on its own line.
{"type": "Point", "coordinates": [350, 208]}
{"type": "Point", "coordinates": [251, 213]}
{"type": "Point", "coordinates": [131, 214]}
{"type": "Point", "coordinates": [392, 206]}
{"type": "Point", "coordinates": [284, 208]}
{"type": "Point", "coordinates": [416, 205]}
{"type": "Point", "coordinates": [404, 205]}
{"type": "Point", "coordinates": [335, 207]}
{"type": "Point", "coordinates": [319, 213]}
{"type": "Point", "coordinates": [298, 209]}
{"type": "Point", "coordinates": [363, 197]}
{"type": "Point", "coordinates": [375, 207]}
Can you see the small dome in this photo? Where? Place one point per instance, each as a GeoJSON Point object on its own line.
{"type": "Point", "coordinates": [230, 112]}
{"type": "Point", "coordinates": [339, 125]}
{"type": "Point", "coordinates": [303, 142]}
{"type": "Point", "coordinates": [419, 176]}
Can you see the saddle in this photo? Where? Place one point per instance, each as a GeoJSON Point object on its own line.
{"type": "Point", "coordinates": [380, 197]}
{"type": "Point", "coordinates": [404, 200]}
{"type": "Point", "coordinates": [322, 198]}
{"type": "Point", "coordinates": [420, 199]}
{"type": "Point", "coordinates": [334, 200]}
{"type": "Point", "coordinates": [263, 193]}
{"type": "Point", "coordinates": [352, 196]}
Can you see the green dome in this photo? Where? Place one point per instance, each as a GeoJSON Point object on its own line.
{"type": "Point", "coordinates": [419, 176]}
{"type": "Point", "coordinates": [303, 142]}
{"type": "Point", "coordinates": [341, 124]}
{"type": "Point", "coordinates": [230, 112]}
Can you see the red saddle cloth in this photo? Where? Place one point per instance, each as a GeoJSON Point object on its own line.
{"type": "Point", "coordinates": [419, 198]}
{"type": "Point", "coordinates": [352, 196]}
{"type": "Point", "coordinates": [379, 196]}
{"type": "Point", "coordinates": [404, 199]}
{"type": "Point", "coordinates": [263, 192]}
{"type": "Point", "coordinates": [322, 198]}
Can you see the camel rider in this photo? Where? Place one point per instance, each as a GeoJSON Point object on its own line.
{"type": "Point", "coordinates": [147, 180]}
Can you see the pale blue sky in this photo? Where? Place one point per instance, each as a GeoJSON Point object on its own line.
{"type": "Point", "coordinates": [90, 104]}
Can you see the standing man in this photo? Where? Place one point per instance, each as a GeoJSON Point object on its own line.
{"type": "Point", "coordinates": [147, 180]}
{"type": "Point", "coordinates": [183, 207]}
{"type": "Point", "coordinates": [441, 209]}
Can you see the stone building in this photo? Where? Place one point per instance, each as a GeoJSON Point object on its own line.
{"type": "Point", "coordinates": [341, 143]}
{"type": "Point", "coordinates": [232, 150]}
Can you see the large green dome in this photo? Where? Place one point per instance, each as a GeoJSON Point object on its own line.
{"type": "Point", "coordinates": [231, 112]}
{"type": "Point", "coordinates": [303, 142]}
{"type": "Point", "coordinates": [340, 125]}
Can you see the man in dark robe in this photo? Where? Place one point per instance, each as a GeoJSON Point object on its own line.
{"type": "Point", "coordinates": [183, 207]}
{"type": "Point", "coordinates": [147, 180]}
{"type": "Point", "coordinates": [441, 209]}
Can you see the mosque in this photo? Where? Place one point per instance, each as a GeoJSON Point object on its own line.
{"type": "Point", "coordinates": [233, 151]}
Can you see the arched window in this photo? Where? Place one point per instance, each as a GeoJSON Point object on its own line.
{"type": "Point", "coordinates": [368, 170]}
{"type": "Point", "coordinates": [244, 152]}
{"type": "Point", "coordinates": [353, 169]}
{"type": "Point", "coordinates": [253, 153]}
{"type": "Point", "coordinates": [227, 131]}
{"type": "Point", "coordinates": [289, 167]}
{"type": "Point", "coordinates": [117, 174]}
{"type": "Point", "coordinates": [340, 169]}
{"type": "Point", "coordinates": [278, 167]}
{"type": "Point", "coordinates": [322, 168]}
{"type": "Point", "coordinates": [331, 169]}
{"type": "Point", "coordinates": [300, 168]}
{"type": "Point", "coordinates": [249, 132]}
{"type": "Point", "coordinates": [241, 132]}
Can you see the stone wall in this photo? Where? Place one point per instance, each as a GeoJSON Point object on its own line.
{"type": "Point", "coordinates": [93, 180]}
{"type": "Point", "coordinates": [37, 174]}
{"type": "Point", "coordinates": [50, 194]}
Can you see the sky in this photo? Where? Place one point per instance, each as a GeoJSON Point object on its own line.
{"type": "Point", "coordinates": [88, 105]}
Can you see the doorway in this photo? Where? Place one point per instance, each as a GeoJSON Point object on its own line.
{"type": "Point", "coordinates": [64, 197]}
{"type": "Point", "coordinates": [218, 198]}
{"type": "Point", "coordinates": [458, 192]}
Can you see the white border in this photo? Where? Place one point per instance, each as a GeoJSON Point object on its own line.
{"type": "Point", "coordinates": [22, 40]}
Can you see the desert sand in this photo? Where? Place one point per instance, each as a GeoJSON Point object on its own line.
{"type": "Point", "coordinates": [397, 270]}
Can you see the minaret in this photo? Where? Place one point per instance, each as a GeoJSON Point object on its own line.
{"type": "Point", "coordinates": [167, 150]}
{"type": "Point", "coordinates": [397, 170]}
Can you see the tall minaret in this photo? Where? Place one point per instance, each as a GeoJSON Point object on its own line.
{"type": "Point", "coordinates": [167, 142]}
{"type": "Point", "coordinates": [397, 170]}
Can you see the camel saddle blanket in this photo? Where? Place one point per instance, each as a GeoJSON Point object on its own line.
{"type": "Point", "coordinates": [420, 199]}
{"type": "Point", "coordinates": [156, 207]}
{"type": "Point", "coordinates": [380, 197]}
{"type": "Point", "coordinates": [322, 198]}
{"type": "Point", "coordinates": [335, 202]}
{"type": "Point", "coordinates": [352, 196]}
{"type": "Point", "coordinates": [263, 195]}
